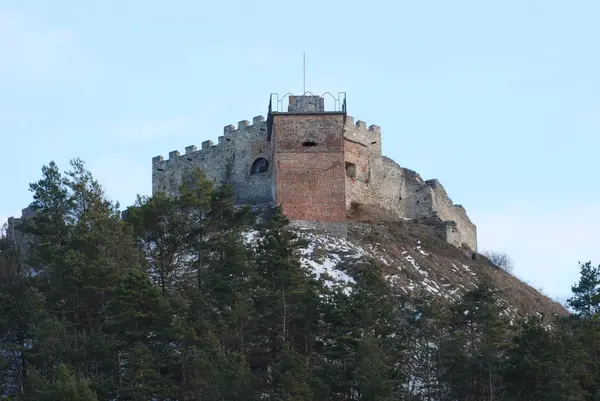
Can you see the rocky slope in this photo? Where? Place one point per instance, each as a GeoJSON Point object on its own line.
{"type": "Point", "coordinates": [417, 262]}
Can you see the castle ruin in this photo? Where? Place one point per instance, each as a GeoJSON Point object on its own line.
{"type": "Point", "coordinates": [318, 165]}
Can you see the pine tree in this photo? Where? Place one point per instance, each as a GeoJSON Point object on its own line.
{"type": "Point", "coordinates": [285, 298]}
{"type": "Point", "coordinates": [82, 257]}
{"type": "Point", "coordinates": [542, 364]}
{"type": "Point", "coordinates": [21, 310]}
{"type": "Point", "coordinates": [425, 327]}
{"type": "Point", "coordinates": [64, 386]}
{"type": "Point", "coordinates": [586, 294]}
{"type": "Point", "coordinates": [474, 352]}
{"type": "Point", "coordinates": [361, 335]}
{"type": "Point", "coordinates": [228, 271]}
{"type": "Point", "coordinates": [161, 232]}
{"type": "Point", "coordinates": [373, 371]}
{"type": "Point", "coordinates": [291, 377]}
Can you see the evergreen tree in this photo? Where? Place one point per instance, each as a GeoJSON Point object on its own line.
{"type": "Point", "coordinates": [373, 371]}
{"type": "Point", "coordinates": [161, 231]}
{"type": "Point", "coordinates": [63, 386]}
{"type": "Point", "coordinates": [361, 335]}
{"type": "Point", "coordinates": [542, 365]}
{"type": "Point", "coordinates": [178, 303]}
{"type": "Point", "coordinates": [81, 257]}
{"type": "Point", "coordinates": [291, 377]}
{"type": "Point", "coordinates": [586, 294]}
{"type": "Point", "coordinates": [426, 327]}
{"type": "Point", "coordinates": [285, 298]}
{"type": "Point", "coordinates": [21, 310]}
{"type": "Point", "coordinates": [474, 351]}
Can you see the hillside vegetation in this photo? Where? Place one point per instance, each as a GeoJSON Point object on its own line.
{"type": "Point", "coordinates": [192, 298]}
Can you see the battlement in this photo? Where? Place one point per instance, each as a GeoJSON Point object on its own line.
{"type": "Point", "coordinates": [243, 125]}
{"type": "Point", "coordinates": [358, 133]}
{"type": "Point", "coordinates": [231, 159]}
{"type": "Point", "coordinates": [314, 172]}
{"type": "Point", "coordinates": [230, 132]}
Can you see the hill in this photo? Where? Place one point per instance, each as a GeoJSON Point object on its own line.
{"type": "Point", "coordinates": [418, 263]}
{"type": "Point", "coordinates": [191, 297]}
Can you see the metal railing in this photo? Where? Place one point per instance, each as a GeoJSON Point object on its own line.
{"type": "Point", "coordinates": [331, 102]}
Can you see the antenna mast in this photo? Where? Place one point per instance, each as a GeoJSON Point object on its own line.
{"type": "Point", "coordinates": [303, 73]}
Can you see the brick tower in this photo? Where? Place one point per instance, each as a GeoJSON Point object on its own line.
{"type": "Point", "coordinates": [308, 153]}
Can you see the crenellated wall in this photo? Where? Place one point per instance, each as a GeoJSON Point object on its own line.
{"type": "Point", "coordinates": [362, 148]}
{"type": "Point", "coordinates": [229, 160]}
{"type": "Point", "coordinates": [321, 165]}
{"type": "Point", "coordinates": [376, 180]}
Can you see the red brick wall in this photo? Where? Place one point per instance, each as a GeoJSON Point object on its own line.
{"type": "Point", "coordinates": [310, 181]}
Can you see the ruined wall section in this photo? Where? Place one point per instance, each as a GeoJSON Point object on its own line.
{"type": "Point", "coordinates": [417, 198]}
{"type": "Point", "coordinates": [446, 210]}
{"type": "Point", "coordinates": [309, 167]}
{"type": "Point", "coordinates": [362, 148]}
{"type": "Point", "coordinates": [404, 192]}
{"type": "Point", "coordinates": [15, 233]}
{"type": "Point", "coordinates": [373, 179]}
{"type": "Point", "coordinates": [228, 161]}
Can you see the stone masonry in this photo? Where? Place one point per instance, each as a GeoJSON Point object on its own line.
{"type": "Point", "coordinates": [318, 165]}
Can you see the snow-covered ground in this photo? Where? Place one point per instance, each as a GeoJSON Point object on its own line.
{"type": "Point", "coordinates": [324, 255]}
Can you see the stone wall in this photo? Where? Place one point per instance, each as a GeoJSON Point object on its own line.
{"type": "Point", "coordinates": [446, 210]}
{"type": "Point", "coordinates": [230, 160]}
{"type": "Point", "coordinates": [407, 195]}
{"type": "Point", "coordinates": [362, 147]}
{"type": "Point", "coordinates": [15, 233]}
{"type": "Point", "coordinates": [369, 138]}
{"type": "Point", "coordinates": [373, 179]}
{"type": "Point", "coordinates": [306, 103]}
{"type": "Point", "coordinates": [320, 164]}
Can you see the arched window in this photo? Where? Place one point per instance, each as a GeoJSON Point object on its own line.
{"type": "Point", "coordinates": [260, 165]}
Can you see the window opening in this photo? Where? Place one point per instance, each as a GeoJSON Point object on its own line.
{"type": "Point", "coordinates": [260, 165]}
{"type": "Point", "coordinates": [350, 170]}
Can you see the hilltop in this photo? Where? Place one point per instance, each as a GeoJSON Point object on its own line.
{"type": "Point", "coordinates": [417, 263]}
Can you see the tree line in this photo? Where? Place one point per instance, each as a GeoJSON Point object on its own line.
{"type": "Point", "coordinates": [170, 302]}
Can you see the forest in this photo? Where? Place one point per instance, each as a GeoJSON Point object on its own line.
{"type": "Point", "coordinates": [169, 301]}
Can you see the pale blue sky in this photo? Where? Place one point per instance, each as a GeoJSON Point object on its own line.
{"type": "Point", "coordinates": [500, 102]}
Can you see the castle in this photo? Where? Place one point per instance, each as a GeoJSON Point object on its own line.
{"type": "Point", "coordinates": [319, 166]}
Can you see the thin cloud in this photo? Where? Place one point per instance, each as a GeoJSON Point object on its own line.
{"type": "Point", "coordinates": [546, 245]}
{"type": "Point", "coordinates": [31, 51]}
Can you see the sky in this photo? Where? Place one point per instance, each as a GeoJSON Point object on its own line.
{"type": "Point", "coordinates": [498, 100]}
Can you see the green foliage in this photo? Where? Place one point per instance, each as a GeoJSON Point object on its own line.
{"type": "Point", "coordinates": [586, 294]}
{"type": "Point", "coordinates": [173, 303]}
{"type": "Point", "coordinates": [543, 364]}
